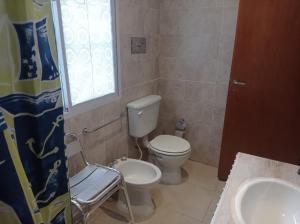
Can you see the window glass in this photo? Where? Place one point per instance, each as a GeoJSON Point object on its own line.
{"type": "Point", "coordinates": [89, 48]}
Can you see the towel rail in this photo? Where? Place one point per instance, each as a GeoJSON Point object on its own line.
{"type": "Point", "coordinates": [88, 131]}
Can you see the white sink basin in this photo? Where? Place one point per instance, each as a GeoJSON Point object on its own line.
{"type": "Point", "coordinates": [267, 201]}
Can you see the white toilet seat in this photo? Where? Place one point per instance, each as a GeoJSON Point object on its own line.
{"type": "Point", "coordinates": [170, 145]}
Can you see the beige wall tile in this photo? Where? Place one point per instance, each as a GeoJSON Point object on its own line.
{"type": "Point", "coordinates": [198, 112]}
{"type": "Point", "coordinates": [166, 125]}
{"type": "Point", "coordinates": [75, 164]}
{"type": "Point", "coordinates": [229, 20]}
{"type": "Point", "coordinates": [138, 75]}
{"type": "Point", "coordinates": [151, 24]}
{"type": "Point", "coordinates": [196, 46]}
{"type": "Point", "coordinates": [172, 108]}
{"type": "Point", "coordinates": [154, 4]}
{"type": "Point", "coordinates": [230, 3]}
{"type": "Point", "coordinates": [199, 92]}
{"type": "Point", "coordinates": [188, 60]}
{"type": "Point", "coordinates": [201, 21]}
{"type": "Point", "coordinates": [200, 134]}
{"type": "Point", "coordinates": [170, 46]}
{"type": "Point", "coordinates": [187, 4]}
{"type": "Point", "coordinates": [171, 88]}
{"type": "Point", "coordinates": [116, 147]}
{"type": "Point", "coordinates": [131, 17]}
{"type": "Point", "coordinates": [170, 21]}
{"type": "Point", "coordinates": [221, 92]}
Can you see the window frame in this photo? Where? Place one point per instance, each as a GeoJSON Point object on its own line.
{"type": "Point", "coordinates": [69, 109]}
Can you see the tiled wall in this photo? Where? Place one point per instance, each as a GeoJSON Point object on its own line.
{"type": "Point", "coordinates": [139, 77]}
{"type": "Point", "coordinates": [189, 50]}
{"type": "Point", "coordinates": [196, 44]}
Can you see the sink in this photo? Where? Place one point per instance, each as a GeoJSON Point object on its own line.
{"type": "Point", "coordinates": [266, 201]}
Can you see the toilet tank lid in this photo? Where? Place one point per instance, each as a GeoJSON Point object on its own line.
{"type": "Point", "coordinates": [144, 102]}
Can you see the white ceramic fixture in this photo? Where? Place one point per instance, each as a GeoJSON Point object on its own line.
{"type": "Point", "coordinates": [168, 152]}
{"type": "Point", "coordinates": [267, 201]}
{"type": "Point", "coordinates": [140, 178]}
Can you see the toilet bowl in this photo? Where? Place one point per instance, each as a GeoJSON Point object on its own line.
{"type": "Point", "coordinates": [140, 178]}
{"type": "Point", "coordinates": [169, 153]}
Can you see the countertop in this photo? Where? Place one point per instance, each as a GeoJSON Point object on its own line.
{"type": "Point", "coordinates": [245, 167]}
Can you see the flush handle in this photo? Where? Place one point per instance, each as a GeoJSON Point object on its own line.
{"type": "Point", "coordinates": [140, 113]}
{"type": "Point", "coordinates": [238, 83]}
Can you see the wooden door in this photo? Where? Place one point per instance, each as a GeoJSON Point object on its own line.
{"type": "Point", "coordinates": [263, 107]}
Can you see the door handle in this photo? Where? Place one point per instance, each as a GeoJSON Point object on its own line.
{"type": "Point", "coordinates": [238, 83]}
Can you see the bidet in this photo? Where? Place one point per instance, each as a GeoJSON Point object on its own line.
{"type": "Point", "coordinates": [140, 178]}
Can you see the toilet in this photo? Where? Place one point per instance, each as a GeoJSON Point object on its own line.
{"type": "Point", "coordinates": [140, 178]}
{"type": "Point", "coordinates": [168, 152]}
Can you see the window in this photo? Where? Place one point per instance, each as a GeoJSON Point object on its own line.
{"type": "Point", "coordinates": [86, 41]}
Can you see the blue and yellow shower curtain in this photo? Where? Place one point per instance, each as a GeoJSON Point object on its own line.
{"type": "Point", "coordinates": [33, 171]}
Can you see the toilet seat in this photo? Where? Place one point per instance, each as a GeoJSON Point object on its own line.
{"type": "Point", "coordinates": [170, 145]}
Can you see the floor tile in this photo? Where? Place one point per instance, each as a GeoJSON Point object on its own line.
{"type": "Point", "coordinates": [202, 175]}
{"type": "Point", "coordinates": [211, 209]}
{"type": "Point", "coordinates": [188, 199]}
{"type": "Point", "coordinates": [102, 216]}
{"type": "Point", "coordinates": [190, 202]}
{"type": "Point", "coordinates": [167, 216]}
{"type": "Point", "coordinates": [220, 186]}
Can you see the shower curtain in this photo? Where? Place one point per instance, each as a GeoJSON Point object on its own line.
{"type": "Point", "coordinates": [33, 170]}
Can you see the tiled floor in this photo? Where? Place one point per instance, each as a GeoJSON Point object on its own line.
{"type": "Point", "coordinates": [191, 202]}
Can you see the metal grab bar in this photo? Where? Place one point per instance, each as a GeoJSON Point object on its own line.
{"type": "Point", "coordinates": [87, 131]}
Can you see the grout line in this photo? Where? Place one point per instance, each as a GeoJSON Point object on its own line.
{"type": "Point", "coordinates": [141, 84]}
{"type": "Point", "coordinates": [186, 80]}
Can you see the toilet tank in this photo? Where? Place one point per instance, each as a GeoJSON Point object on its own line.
{"type": "Point", "coordinates": [143, 115]}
